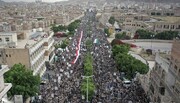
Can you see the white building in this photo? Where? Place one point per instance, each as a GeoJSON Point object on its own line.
{"type": "Point", "coordinates": [163, 88]}
{"type": "Point", "coordinates": [32, 49]}
{"type": "Point", "coordinates": [4, 87]}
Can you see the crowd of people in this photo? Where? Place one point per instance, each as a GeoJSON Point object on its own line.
{"type": "Point", "coordinates": [64, 78]}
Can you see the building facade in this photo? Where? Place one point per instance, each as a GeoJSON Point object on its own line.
{"type": "Point", "coordinates": [165, 77]}
{"type": "Point", "coordinates": [4, 87]}
{"type": "Point", "coordinates": [32, 50]}
{"type": "Point", "coordinates": [166, 26]}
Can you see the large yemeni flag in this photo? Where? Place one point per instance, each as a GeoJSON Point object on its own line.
{"type": "Point", "coordinates": [78, 48]}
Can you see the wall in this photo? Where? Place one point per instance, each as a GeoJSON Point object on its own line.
{"type": "Point", "coordinates": [14, 56]}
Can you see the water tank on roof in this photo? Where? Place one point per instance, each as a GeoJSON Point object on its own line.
{"type": "Point", "coordinates": [34, 30]}
{"type": "Point", "coordinates": [40, 29]}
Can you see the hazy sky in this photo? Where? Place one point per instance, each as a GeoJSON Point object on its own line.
{"type": "Point", "coordinates": [33, 0]}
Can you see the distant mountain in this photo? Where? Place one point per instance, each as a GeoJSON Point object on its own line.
{"type": "Point", "coordinates": [1, 2]}
{"type": "Point", "coordinates": [160, 1]}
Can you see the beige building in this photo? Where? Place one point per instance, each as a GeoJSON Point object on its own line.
{"type": "Point", "coordinates": [165, 24]}
{"type": "Point", "coordinates": [165, 77]}
{"type": "Point", "coordinates": [33, 49]}
{"type": "Point", "coordinates": [4, 87]}
{"type": "Point", "coordinates": [130, 25]}
{"type": "Point", "coordinates": [5, 27]}
{"type": "Point", "coordinates": [165, 12]}
{"type": "Point", "coordinates": [62, 19]}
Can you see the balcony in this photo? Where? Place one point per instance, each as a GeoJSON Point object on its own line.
{"type": "Point", "coordinates": [7, 87]}
{"type": "Point", "coordinates": [171, 70]}
{"type": "Point", "coordinates": [37, 57]}
{"type": "Point", "coordinates": [42, 71]}
{"type": "Point", "coordinates": [156, 77]}
{"type": "Point", "coordinates": [4, 68]}
{"type": "Point", "coordinates": [36, 46]}
{"type": "Point", "coordinates": [171, 92]}
{"type": "Point", "coordinates": [38, 68]}
{"type": "Point", "coordinates": [51, 44]}
{"type": "Point", "coordinates": [48, 45]}
{"type": "Point", "coordinates": [51, 59]}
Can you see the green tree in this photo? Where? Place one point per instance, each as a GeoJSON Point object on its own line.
{"type": "Point", "coordinates": [144, 34]}
{"type": "Point", "coordinates": [23, 81]}
{"type": "Point", "coordinates": [130, 65]}
{"type": "Point", "coordinates": [88, 71]}
{"type": "Point", "coordinates": [89, 43]}
{"type": "Point", "coordinates": [91, 88]}
{"type": "Point", "coordinates": [64, 44]}
{"type": "Point", "coordinates": [74, 25]}
{"type": "Point", "coordinates": [107, 31]}
{"type": "Point", "coordinates": [126, 63]}
{"type": "Point", "coordinates": [120, 49]}
{"type": "Point", "coordinates": [120, 35]}
{"type": "Point", "coordinates": [167, 35]}
{"type": "Point", "coordinates": [111, 20]}
{"type": "Point", "coordinates": [54, 28]}
{"type": "Point", "coordinates": [62, 28]}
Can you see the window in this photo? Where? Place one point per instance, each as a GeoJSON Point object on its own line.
{"type": "Point", "coordinates": [0, 39]}
{"type": "Point", "coordinates": [7, 39]}
{"type": "Point", "coordinates": [172, 26]}
{"type": "Point", "coordinates": [9, 55]}
{"type": "Point", "coordinates": [0, 55]}
{"type": "Point", "coordinates": [162, 90]}
{"type": "Point", "coordinates": [6, 55]}
{"type": "Point", "coordinates": [152, 89]}
{"type": "Point", "coordinates": [175, 67]}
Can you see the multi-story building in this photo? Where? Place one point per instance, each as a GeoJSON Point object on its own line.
{"type": "Point", "coordinates": [164, 12]}
{"type": "Point", "coordinates": [165, 77]}
{"type": "Point", "coordinates": [166, 24]}
{"type": "Point", "coordinates": [174, 70]}
{"type": "Point", "coordinates": [32, 49]}
{"type": "Point", "coordinates": [130, 25]}
{"type": "Point", "coordinates": [4, 87]}
{"type": "Point", "coordinates": [5, 27]}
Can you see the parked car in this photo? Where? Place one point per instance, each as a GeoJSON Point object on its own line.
{"type": "Point", "coordinates": [126, 83]}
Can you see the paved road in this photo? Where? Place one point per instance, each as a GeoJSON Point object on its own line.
{"type": "Point", "coordinates": [64, 82]}
{"type": "Point", "coordinates": [155, 45]}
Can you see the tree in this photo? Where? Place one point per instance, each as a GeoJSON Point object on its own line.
{"type": "Point", "coordinates": [116, 42]}
{"type": "Point", "coordinates": [120, 49]}
{"type": "Point", "coordinates": [122, 36]}
{"type": "Point", "coordinates": [144, 34]}
{"type": "Point", "coordinates": [107, 31]}
{"type": "Point", "coordinates": [111, 20]}
{"type": "Point", "coordinates": [56, 29]}
{"type": "Point", "coordinates": [74, 25]}
{"type": "Point", "coordinates": [126, 63]}
{"type": "Point", "coordinates": [23, 81]}
{"type": "Point", "coordinates": [88, 71]}
{"type": "Point", "coordinates": [91, 88]}
{"type": "Point", "coordinates": [89, 43]}
{"type": "Point", "coordinates": [64, 44]}
{"type": "Point", "coordinates": [130, 65]}
{"type": "Point", "coordinates": [167, 35]}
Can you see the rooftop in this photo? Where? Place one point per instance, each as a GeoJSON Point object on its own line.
{"type": "Point", "coordinates": [167, 19]}
{"type": "Point", "coordinates": [31, 39]}
{"type": "Point", "coordinates": [7, 33]}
